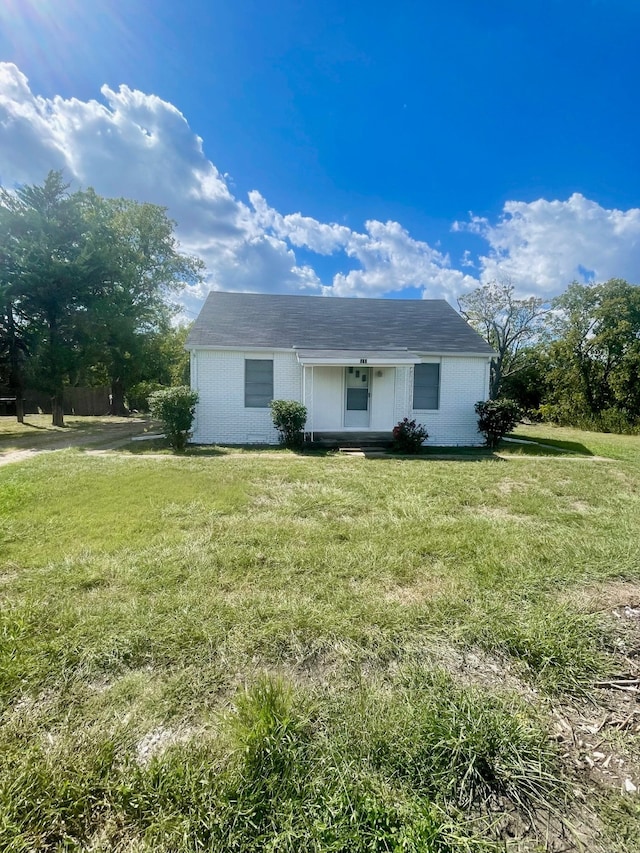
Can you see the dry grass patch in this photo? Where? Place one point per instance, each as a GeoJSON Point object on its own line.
{"type": "Point", "coordinates": [605, 597]}
{"type": "Point", "coordinates": [424, 589]}
{"type": "Point", "coordinates": [497, 513]}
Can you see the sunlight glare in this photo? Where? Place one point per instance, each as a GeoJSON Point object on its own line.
{"type": "Point", "coordinates": [49, 35]}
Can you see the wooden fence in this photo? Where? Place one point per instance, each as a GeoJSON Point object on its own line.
{"type": "Point", "coordinates": [77, 401]}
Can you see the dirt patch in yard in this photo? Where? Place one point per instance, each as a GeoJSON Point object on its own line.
{"type": "Point", "coordinates": [102, 433]}
{"type": "Point", "coordinates": [618, 604]}
{"type": "Point", "coordinates": [599, 734]}
{"type": "Point", "coordinates": [507, 486]}
{"type": "Point", "coordinates": [591, 734]}
{"type": "Point", "coordinates": [600, 739]}
{"type": "Point", "coordinates": [581, 507]}
{"type": "Point", "coordinates": [16, 456]}
{"type": "Point", "coordinates": [606, 596]}
{"type": "Point", "coordinates": [155, 742]}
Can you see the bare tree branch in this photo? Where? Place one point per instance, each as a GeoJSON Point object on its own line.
{"type": "Point", "coordinates": [507, 323]}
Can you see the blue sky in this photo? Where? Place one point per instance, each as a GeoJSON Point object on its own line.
{"type": "Point", "coordinates": [357, 148]}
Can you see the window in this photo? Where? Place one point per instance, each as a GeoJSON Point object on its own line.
{"type": "Point", "coordinates": [258, 382]}
{"type": "Point", "coordinates": [426, 386]}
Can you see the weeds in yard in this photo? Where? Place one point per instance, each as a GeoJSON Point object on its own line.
{"type": "Point", "coordinates": [562, 650]}
{"type": "Point", "coordinates": [463, 746]}
{"type": "Point", "coordinates": [138, 594]}
{"type": "Point", "coordinates": [288, 775]}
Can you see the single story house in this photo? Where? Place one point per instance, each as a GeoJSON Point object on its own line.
{"type": "Point", "coordinates": [358, 365]}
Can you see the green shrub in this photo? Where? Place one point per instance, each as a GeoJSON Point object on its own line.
{"type": "Point", "coordinates": [289, 418]}
{"type": "Point", "coordinates": [496, 418]}
{"type": "Point", "coordinates": [408, 436]}
{"type": "Point", "coordinates": [175, 409]}
{"type": "Point", "coordinates": [138, 395]}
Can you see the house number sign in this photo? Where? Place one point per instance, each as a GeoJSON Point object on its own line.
{"type": "Point", "coordinates": [363, 361]}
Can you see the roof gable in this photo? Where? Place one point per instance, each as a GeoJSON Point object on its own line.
{"type": "Point", "coordinates": [315, 322]}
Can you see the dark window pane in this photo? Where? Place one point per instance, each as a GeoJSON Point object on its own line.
{"type": "Point", "coordinates": [258, 382]}
{"type": "Point", "coordinates": [426, 386]}
{"type": "Point", "coordinates": [357, 399]}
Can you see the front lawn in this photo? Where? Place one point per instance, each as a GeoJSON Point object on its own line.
{"type": "Point", "coordinates": [277, 652]}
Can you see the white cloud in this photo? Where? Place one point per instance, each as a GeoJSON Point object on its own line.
{"type": "Point", "coordinates": [392, 260]}
{"type": "Point", "coordinates": [139, 146]}
{"type": "Point", "coordinates": [136, 145]}
{"type": "Point", "coordinates": [299, 230]}
{"type": "Point", "coordinates": [29, 144]}
{"type": "Point", "coordinates": [389, 259]}
{"type": "Point", "coordinates": [544, 245]}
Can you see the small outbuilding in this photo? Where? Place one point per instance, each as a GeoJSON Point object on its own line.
{"type": "Point", "coordinates": [358, 365]}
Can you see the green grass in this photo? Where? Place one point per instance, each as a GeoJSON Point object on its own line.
{"type": "Point", "coordinates": [622, 447]}
{"type": "Point", "coordinates": [291, 633]}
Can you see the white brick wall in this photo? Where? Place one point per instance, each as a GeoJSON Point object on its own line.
{"type": "Point", "coordinates": [221, 417]}
{"type": "Point", "coordinates": [463, 381]}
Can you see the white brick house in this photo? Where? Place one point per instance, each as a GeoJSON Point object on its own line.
{"type": "Point", "coordinates": [358, 365]}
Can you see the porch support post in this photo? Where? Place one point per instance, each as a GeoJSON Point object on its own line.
{"type": "Point", "coordinates": [311, 403]}
{"type": "Point", "coordinates": [407, 380]}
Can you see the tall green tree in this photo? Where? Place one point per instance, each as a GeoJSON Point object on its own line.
{"type": "Point", "coordinates": [13, 354]}
{"type": "Point", "coordinates": [13, 346]}
{"type": "Point", "coordinates": [86, 286]}
{"type": "Point", "coordinates": [528, 386]}
{"type": "Point", "coordinates": [507, 323]}
{"type": "Point", "coordinates": [140, 269]}
{"type": "Point", "coordinates": [595, 353]}
{"type": "Point", "coordinates": [165, 359]}
{"type": "Point", "coordinates": [45, 240]}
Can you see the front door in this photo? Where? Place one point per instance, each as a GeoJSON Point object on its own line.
{"type": "Point", "coordinates": [357, 396]}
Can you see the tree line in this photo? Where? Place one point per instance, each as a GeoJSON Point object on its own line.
{"type": "Point", "coordinates": [85, 293]}
{"type": "Point", "coordinates": [86, 287]}
{"type": "Point", "coordinates": [574, 360]}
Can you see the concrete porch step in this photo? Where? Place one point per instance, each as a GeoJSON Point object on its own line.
{"type": "Point", "coordinates": [370, 448]}
{"type": "Point", "coordinates": [352, 440]}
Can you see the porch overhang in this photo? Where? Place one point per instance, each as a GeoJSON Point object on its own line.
{"type": "Point", "coordinates": [348, 358]}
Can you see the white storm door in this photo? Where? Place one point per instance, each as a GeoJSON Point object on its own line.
{"type": "Point", "coordinates": [357, 396]}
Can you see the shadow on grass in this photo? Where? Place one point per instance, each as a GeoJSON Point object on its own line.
{"type": "Point", "coordinates": [501, 453]}
{"type": "Point", "coordinates": [68, 425]}
{"type": "Point", "coordinates": [38, 437]}
{"type": "Point", "coordinates": [160, 446]}
{"type": "Point", "coordinates": [545, 443]}
{"type": "Point", "coordinates": [23, 430]}
{"type": "Point", "coordinates": [31, 426]}
{"type": "Point", "coordinates": [441, 454]}
{"type": "Point", "coordinates": [82, 434]}
{"type": "Point", "coordinates": [460, 454]}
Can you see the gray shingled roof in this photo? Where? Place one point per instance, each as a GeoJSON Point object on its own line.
{"type": "Point", "coordinates": [316, 322]}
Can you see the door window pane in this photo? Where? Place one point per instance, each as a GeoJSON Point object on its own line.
{"type": "Point", "coordinates": [357, 399]}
